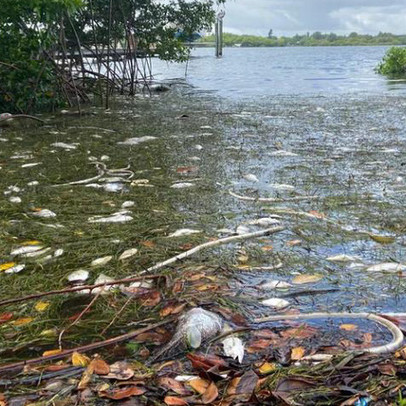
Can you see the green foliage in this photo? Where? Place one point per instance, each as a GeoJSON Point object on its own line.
{"type": "Point", "coordinates": [315, 39]}
{"type": "Point", "coordinates": [393, 63]}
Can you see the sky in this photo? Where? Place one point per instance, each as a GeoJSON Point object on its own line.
{"type": "Point", "coordinates": [288, 17]}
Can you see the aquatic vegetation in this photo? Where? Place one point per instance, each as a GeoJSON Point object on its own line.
{"type": "Point", "coordinates": [393, 63]}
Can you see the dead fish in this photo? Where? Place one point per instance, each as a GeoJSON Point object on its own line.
{"type": "Point", "coordinates": [276, 303]}
{"type": "Point", "coordinates": [137, 140]}
{"type": "Point", "coordinates": [78, 276]}
{"type": "Point", "coordinates": [184, 231]}
{"type": "Point", "coordinates": [250, 177]}
{"type": "Point", "coordinates": [44, 213]}
{"type": "Point", "coordinates": [26, 250]}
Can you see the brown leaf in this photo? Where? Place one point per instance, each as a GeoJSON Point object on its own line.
{"type": "Point", "coordinates": [303, 331]}
{"type": "Point", "coordinates": [293, 243]}
{"type": "Point", "coordinates": [199, 385]}
{"type": "Point", "coordinates": [148, 244]}
{"type": "Point", "coordinates": [236, 318]}
{"type": "Point", "coordinates": [151, 337]}
{"type": "Point", "coordinates": [317, 214]}
{"type": "Point", "coordinates": [123, 393]}
{"type": "Point", "coordinates": [211, 394]}
{"type": "Point", "coordinates": [247, 383]}
{"type": "Point", "coordinates": [348, 327]}
{"type": "Point", "coordinates": [306, 278]}
{"type": "Point", "coordinates": [172, 308]}
{"type": "Point", "coordinates": [187, 169]}
{"type": "Point", "coordinates": [120, 371]}
{"type": "Point", "coordinates": [387, 369]}
{"type": "Point", "coordinates": [100, 367]}
{"type": "Point", "coordinates": [86, 377]}
{"type": "Point", "coordinates": [293, 384]}
{"type": "Point", "coordinates": [232, 387]}
{"type": "Point", "coordinates": [267, 368]}
{"type": "Point", "coordinates": [206, 361]}
{"type": "Point", "coordinates": [174, 401]}
{"type": "Point", "coordinates": [174, 385]}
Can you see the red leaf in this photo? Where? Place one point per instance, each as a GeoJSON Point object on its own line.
{"type": "Point", "coordinates": [172, 384]}
{"type": "Point", "coordinates": [206, 361]}
{"type": "Point", "coordinates": [5, 317]}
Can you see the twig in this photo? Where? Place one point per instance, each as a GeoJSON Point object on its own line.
{"type": "Point", "coordinates": [273, 199]}
{"type": "Point", "coordinates": [77, 319]}
{"type": "Point", "coordinates": [117, 315]}
{"type": "Point", "coordinates": [77, 288]}
{"type": "Point", "coordinates": [102, 172]}
{"type": "Point", "coordinates": [215, 243]}
{"type": "Point", "coordinates": [84, 348]}
{"type": "Point", "coordinates": [13, 116]}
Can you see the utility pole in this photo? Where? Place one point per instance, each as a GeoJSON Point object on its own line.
{"type": "Point", "coordinates": [219, 33]}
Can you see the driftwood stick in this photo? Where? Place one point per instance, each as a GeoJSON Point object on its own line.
{"type": "Point", "coordinates": [13, 116]}
{"type": "Point", "coordinates": [76, 289]}
{"type": "Point", "coordinates": [84, 348]}
{"type": "Point", "coordinates": [215, 243]}
{"type": "Point", "coordinates": [273, 199]}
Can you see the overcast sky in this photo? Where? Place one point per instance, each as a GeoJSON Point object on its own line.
{"type": "Point", "coordinates": [288, 17]}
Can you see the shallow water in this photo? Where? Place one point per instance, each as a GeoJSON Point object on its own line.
{"type": "Point", "coordinates": [349, 152]}
{"type": "Point", "coordinates": [264, 72]}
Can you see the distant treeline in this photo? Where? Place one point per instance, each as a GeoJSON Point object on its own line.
{"type": "Point", "coordinates": [315, 39]}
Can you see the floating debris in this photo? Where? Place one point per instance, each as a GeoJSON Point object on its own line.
{"type": "Point", "coordinates": [24, 250]}
{"type": "Point", "coordinates": [182, 185]}
{"type": "Point", "coordinates": [101, 261]}
{"type": "Point", "coordinates": [136, 141]}
{"type": "Point", "coordinates": [275, 284]}
{"type": "Point", "coordinates": [306, 278]}
{"type": "Point", "coordinates": [387, 267]}
{"type": "Point", "coordinates": [234, 348]}
{"type": "Point", "coordinates": [103, 289]}
{"type": "Point", "coordinates": [250, 177]}
{"type": "Point", "coordinates": [78, 276]}
{"type": "Point", "coordinates": [119, 217]}
{"type": "Point", "coordinates": [282, 153]}
{"type": "Point", "coordinates": [15, 199]}
{"type": "Point", "coordinates": [44, 213]}
{"type": "Point", "coordinates": [64, 145]}
{"type": "Point", "coordinates": [33, 183]}
{"type": "Point", "coordinates": [278, 186]}
{"type": "Point", "coordinates": [276, 303]}
{"type": "Point", "coordinates": [128, 253]}
{"type": "Point", "coordinates": [128, 204]}
{"type": "Point", "coordinates": [36, 253]}
{"type": "Point", "coordinates": [184, 231]}
{"type": "Point", "coordinates": [342, 258]}
{"type": "Point", "coordinates": [15, 269]}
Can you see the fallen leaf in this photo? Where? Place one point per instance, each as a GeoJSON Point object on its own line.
{"type": "Point", "coordinates": [306, 278]}
{"type": "Point", "coordinates": [299, 332]}
{"type": "Point", "coordinates": [22, 321]}
{"type": "Point", "coordinates": [51, 352]}
{"type": "Point", "coordinates": [174, 401]}
{"type": "Point", "coordinates": [293, 243]}
{"type": "Point", "coordinates": [267, 368]}
{"type": "Point", "coordinates": [172, 384]}
{"type": "Point", "coordinates": [247, 383]}
{"type": "Point", "coordinates": [199, 385]}
{"type": "Point", "coordinates": [41, 306]}
{"type": "Point", "coordinates": [206, 361]}
{"type": "Point", "coordinates": [348, 327]}
{"type": "Point", "coordinates": [120, 371]}
{"type": "Point", "coordinates": [210, 394]}
{"type": "Point", "coordinates": [172, 308]}
{"type": "Point", "coordinates": [297, 353]}
{"type": "Point", "coordinates": [100, 367]}
{"type": "Point", "coordinates": [7, 265]}
{"type": "Point", "coordinates": [317, 214]}
{"type": "Point", "coordinates": [123, 393]}
{"type": "Point", "coordinates": [267, 248]}
{"type": "Point", "coordinates": [382, 239]}
{"type": "Point", "coordinates": [5, 317]}
{"type": "Point", "coordinates": [31, 242]}
{"type": "Point", "coordinates": [80, 360]}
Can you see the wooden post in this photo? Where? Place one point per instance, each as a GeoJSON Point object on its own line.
{"type": "Point", "coordinates": [219, 34]}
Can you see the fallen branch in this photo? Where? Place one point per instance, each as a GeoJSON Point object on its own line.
{"type": "Point", "coordinates": [77, 288]}
{"type": "Point", "coordinates": [84, 348]}
{"type": "Point", "coordinates": [273, 199]}
{"type": "Point", "coordinates": [101, 168]}
{"type": "Point", "coordinates": [6, 117]}
{"type": "Point", "coordinates": [215, 243]}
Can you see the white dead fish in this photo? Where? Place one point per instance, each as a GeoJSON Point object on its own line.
{"type": "Point", "coordinates": [59, 252]}
{"type": "Point", "coordinates": [26, 250]}
{"type": "Point", "coordinates": [198, 147]}
{"type": "Point", "coordinates": [264, 222]}
{"type": "Point", "coordinates": [282, 186]}
{"type": "Point", "coordinates": [64, 145]}
{"type": "Point", "coordinates": [44, 213]}
{"type": "Point", "coordinates": [282, 153]}
{"type": "Point", "coordinates": [242, 230]}
{"type": "Point", "coordinates": [103, 289]}
{"type": "Point", "coordinates": [136, 140]}
{"type": "Point", "coordinates": [140, 182]}
{"type": "Point", "coordinates": [101, 261]}
{"type": "Point", "coordinates": [234, 348]}
{"type": "Point", "coordinates": [184, 231]}
{"type": "Point", "coordinates": [250, 177]}
{"type": "Point", "coordinates": [387, 267]}
{"type": "Point", "coordinates": [182, 185]}
{"type": "Point", "coordinates": [127, 204]}
{"type": "Point", "coordinates": [104, 158]}
{"type": "Point", "coordinates": [342, 258]}
{"type": "Point", "coordinates": [31, 165]}
{"type": "Point", "coordinates": [15, 199]}
{"type": "Point", "coordinates": [276, 303]}
{"type": "Point", "coordinates": [275, 285]}
{"type": "Point", "coordinates": [36, 253]}
{"type": "Point", "coordinates": [33, 183]}
{"type": "Point", "coordinates": [128, 254]}
{"type": "Point", "coordinates": [78, 276]}
{"type": "Point", "coordinates": [142, 284]}
{"type": "Point", "coordinates": [15, 269]}
{"type": "Point", "coordinates": [119, 217]}
{"type": "Point", "coordinates": [113, 187]}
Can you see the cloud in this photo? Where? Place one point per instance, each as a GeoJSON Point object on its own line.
{"type": "Point", "coordinates": [287, 17]}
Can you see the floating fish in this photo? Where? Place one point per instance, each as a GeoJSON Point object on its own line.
{"type": "Point", "coordinates": [78, 276]}
{"type": "Point", "coordinates": [275, 285]}
{"type": "Point", "coordinates": [15, 269]}
{"type": "Point", "coordinates": [387, 267]}
{"type": "Point", "coordinates": [250, 177]}
{"type": "Point", "coordinates": [136, 141]}
{"type": "Point", "coordinates": [184, 231]}
{"type": "Point", "coordinates": [182, 185]}
{"type": "Point", "coordinates": [276, 303]}
{"type": "Point", "coordinates": [128, 253]}
{"type": "Point", "coordinates": [26, 250]}
{"type": "Point", "coordinates": [64, 145]}
{"type": "Point", "coordinates": [101, 261]}
{"type": "Point", "coordinates": [44, 213]}
{"type": "Point", "coordinates": [127, 204]}
{"type": "Point", "coordinates": [119, 217]}
{"type": "Point", "coordinates": [234, 348]}
{"type": "Point", "coordinates": [342, 258]}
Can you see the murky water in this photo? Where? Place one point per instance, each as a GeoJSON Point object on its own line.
{"type": "Point", "coordinates": [346, 149]}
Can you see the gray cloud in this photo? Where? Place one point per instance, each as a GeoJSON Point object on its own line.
{"type": "Point", "coordinates": [288, 17]}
